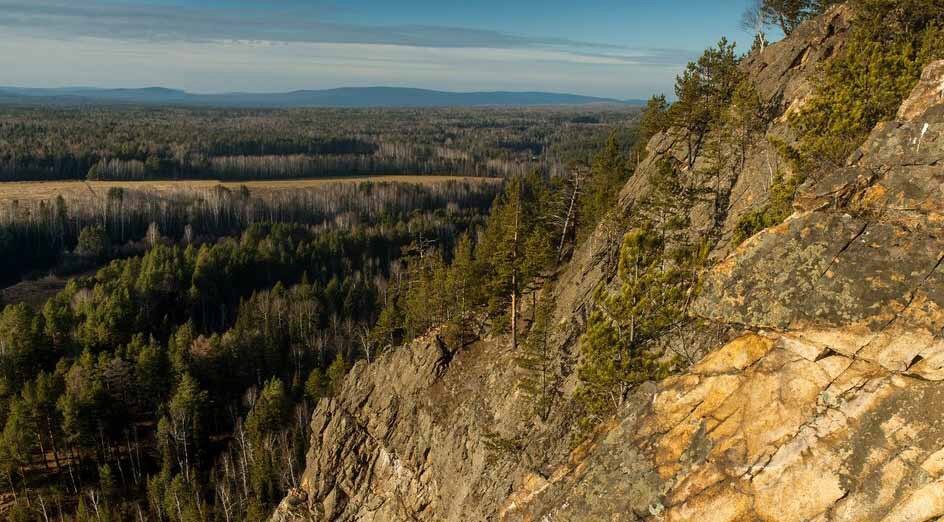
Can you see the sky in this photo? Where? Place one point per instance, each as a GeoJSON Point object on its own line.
{"type": "Point", "coordinates": [613, 48]}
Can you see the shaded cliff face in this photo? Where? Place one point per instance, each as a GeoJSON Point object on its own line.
{"type": "Point", "coordinates": [412, 437]}
{"type": "Point", "coordinates": [782, 75]}
{"type": "Point", "coordinates": [827, 404]}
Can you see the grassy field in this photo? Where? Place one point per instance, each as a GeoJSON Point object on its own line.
{"type": "Point", "coordinates": [26, 191]}
{"type": "Point", "coordinates": [34, 293]}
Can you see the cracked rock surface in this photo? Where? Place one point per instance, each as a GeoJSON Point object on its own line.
{"type": "Point", "coordinates": [829, 406]}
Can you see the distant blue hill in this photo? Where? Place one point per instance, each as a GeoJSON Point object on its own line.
{"type": "Point", "coordinates": [342, 97]}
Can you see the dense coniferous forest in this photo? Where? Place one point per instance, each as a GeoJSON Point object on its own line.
{"type": "Point", "coordinates": [232, 144]}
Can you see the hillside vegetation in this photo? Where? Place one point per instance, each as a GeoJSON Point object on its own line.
{"type": "Point", "coordinates": [729, 341]}
{"type": "Point", "coordinates": [177, 381]}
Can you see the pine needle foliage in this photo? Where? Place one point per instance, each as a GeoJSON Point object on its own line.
{"type": "Point", "coordinates": [541, 380]}
{"type": "Point", "coordinates": [890, 43]}
{"type": "Point", "coordinates": [658, 270]}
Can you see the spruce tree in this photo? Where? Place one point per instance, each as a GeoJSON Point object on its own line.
{"type": "Point", "coordinates": [541, 378]}
{"type": "Point", "coordinates": [608, 173]}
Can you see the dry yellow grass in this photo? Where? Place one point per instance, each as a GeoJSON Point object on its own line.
{"type": "Point", "coordinates": [26, 191]}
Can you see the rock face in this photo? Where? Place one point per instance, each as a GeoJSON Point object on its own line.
{"type": "Point", "coordinates": [827, 404]}
{"type": "Point", "coordinates": [407, 439]}
{"type": "Point", "coordinates": [781, 75]}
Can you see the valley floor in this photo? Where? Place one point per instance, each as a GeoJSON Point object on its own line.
{"type": "Point", "coordinates": [24, 191]}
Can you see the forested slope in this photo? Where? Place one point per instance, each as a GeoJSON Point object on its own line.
{"type": "Point", "coordinates": [175, 382]}
{"type": "Point", "coordinates": [811, 283]}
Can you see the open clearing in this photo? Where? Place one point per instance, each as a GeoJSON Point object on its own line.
{"type": "Point", "coordinates": [34, 292]}
{"type": "Point", "coordinates": [25, 191]}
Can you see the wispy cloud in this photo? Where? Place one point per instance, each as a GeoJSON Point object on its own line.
{"type": "Point", "coordinates": [179, 23]}
{"type": "Point", "coordinates": [128, 43]}
{"type": "Point", "coordinates": [265, 67]}
{"type": "Point", "coordinates": [127, 21]}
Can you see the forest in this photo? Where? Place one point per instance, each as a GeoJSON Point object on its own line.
{"type": "Point", "coordinates": [41, 235]}
{"type": "Point", "coordinates": [183, 376]}
{"type": "Point", "coordinates": [128, 143]}
{"type": "Point", "coordinates": [173, 377]}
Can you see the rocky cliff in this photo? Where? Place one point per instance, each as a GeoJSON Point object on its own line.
{"type": "Point", "coordinates": [828, 405]}
{"type": "Point", "coordinates": [782, 75]}
{"type": "Point", "coordinates": [820, 397]}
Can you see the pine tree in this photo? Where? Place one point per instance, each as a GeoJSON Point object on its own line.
{"type": "Point", "coordinates": [21, 352]}
{"type": "Point", "coordinates": [183, 428]}
{"type": "Point", "coordinates": [94, 243]}
{"type": "Point", "coordinates": [316, 385]}
{"type": "Point", "coordinates": [17, 440]}
{"type": "Point", "coordinates": [615, 348]}
{"type": "Point", "coordinates": [40, 396]}
{"type": "Point", "coordinates": [463, 283]}
{"type": "Point", "coordinates": [517, 248]}
{"type": "Point", "coordinates": [704, 91]}
{"type": "Point", "coordinates": [502, 240]}
{"type": "Point", "coordinates": [541, 378]}
{"type": "Point", "coordinates": [336, 373]}
{"type": "Point", "coordinates": [389, 328]}
{"type": "Point", "coordinates": [59, 320]}
{"type": "Point", "coordinates": [270, 412]}
{"type": "Point", "coordinates": [153, 375]}
{"type": "Point", "coordinates": [654, 119]}
{"type": "Point", "coordinates": [786, 14]}
{"type": "Point", "coordinates": [608, 173]}
{"type": "Point", "coordinates": [881, 60]}
{"type": "Point", "coordinates": [83, 404]}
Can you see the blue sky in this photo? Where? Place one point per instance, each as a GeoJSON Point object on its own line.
{"type": "Point", "coordinates": [623, 49]}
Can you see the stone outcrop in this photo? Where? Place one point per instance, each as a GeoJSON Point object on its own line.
{"type": "Point", "coordinates": [827, 404]}
{"type": "Point", "coordinates": [782, 75]}
{"type": "Point", "coordinates": [405, 441]}
{"type": "Point", "coordinates": [928, 92]}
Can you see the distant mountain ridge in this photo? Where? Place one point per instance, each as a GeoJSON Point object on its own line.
{"type": "Point", "coordinates": [339, 97]}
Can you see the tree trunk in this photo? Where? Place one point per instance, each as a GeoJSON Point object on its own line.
{"type": "Point", "coordinates": [514, 276]}
{"type": "Point", "coordinates": [514, 312]}
{"type": "Point", "coordinates": [570, 213]}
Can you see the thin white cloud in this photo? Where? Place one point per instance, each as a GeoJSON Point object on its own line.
{"type": "Point", "coordinates": [266, 66]}
{"type": "Point", "coordinates": [125, 21]}
{"type": "Point", "coordinates": [121, 43]}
